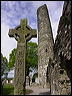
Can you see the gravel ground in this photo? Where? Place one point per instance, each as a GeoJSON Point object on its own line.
{"type": "Point", "coordinates": [38, 90]}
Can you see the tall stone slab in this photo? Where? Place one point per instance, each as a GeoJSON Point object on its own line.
{"type": "Point", "coordinates": [45, 43]}
{"type": "Point", "coordinates": [22, 33]}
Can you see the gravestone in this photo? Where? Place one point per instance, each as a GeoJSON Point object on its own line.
{"type": "Point", "coordinates": [30, 79]}
{"type": "Point", "coordinates": [36, 80]}
{"type": "Point", "coordinates": [22, 33]}
{"type": "Point", "coordinates": [27, 80]}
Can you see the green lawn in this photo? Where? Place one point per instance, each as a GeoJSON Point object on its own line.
{"type": "Point", "coordinates": [8, 89]}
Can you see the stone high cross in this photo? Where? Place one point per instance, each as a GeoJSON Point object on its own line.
{"type": "Point", "coordinates": [22, 33]}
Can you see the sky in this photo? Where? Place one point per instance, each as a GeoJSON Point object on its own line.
{"type": "Point", "coordinates": [13, 11]}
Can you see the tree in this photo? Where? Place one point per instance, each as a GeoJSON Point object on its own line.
{"type": "Point", "coordinates": [12, 57]}
{"type": "Point", "coordinates": [4, 66]}
{"type": "Point", "coordinates": [31, 57]}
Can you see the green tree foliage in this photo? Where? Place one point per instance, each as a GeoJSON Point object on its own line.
{"type": "Point", "coordinates": [31, 57]}
{"type": "Point", "coordinates": [4, 66]}
{"type": "Point", "coordinates": [12, 57]}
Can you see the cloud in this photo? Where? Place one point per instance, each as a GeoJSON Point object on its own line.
{"type": "Point", "coordinates": [34, 26]}
{"type": "Point", "coordinates": [11, 74]}
{"type": "Point", "coordinates": [13, 11]}
{"type": "Point", "coordinates": [55, 12]}
{"type": "Point", "coordinates": [7, 44]}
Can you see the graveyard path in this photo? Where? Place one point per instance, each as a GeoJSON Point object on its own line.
{"type": "Point", "coordinates": [38, 90]}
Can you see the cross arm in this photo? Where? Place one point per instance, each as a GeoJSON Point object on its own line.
{"type": "Point", "coordinates": [32, 33]}
{"type": "Point", "coordinates": [14, 33]}
{"type": "Point", "coordinates": [11, 32]}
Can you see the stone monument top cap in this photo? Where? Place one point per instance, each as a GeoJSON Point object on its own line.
{"type": "Point", "coordinates": [40, 8]}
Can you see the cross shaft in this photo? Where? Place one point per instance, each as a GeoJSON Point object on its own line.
{"type": "Point", "coordinates": [22, 33]}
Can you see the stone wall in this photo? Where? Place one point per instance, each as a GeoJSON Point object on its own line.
{"type": "Point", "coordinates": [60, 67]}
{"type": "Point", "coordinates": [45, 43]}
{"type": "Point", "coordinates": [54, 59]}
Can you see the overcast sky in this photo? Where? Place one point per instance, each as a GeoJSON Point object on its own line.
{"type": "Point", "coordinates": [13, 11]}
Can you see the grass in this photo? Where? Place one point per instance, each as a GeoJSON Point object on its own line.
{"type": "Point", "coordinates": [28, 91]}
{"type": "Point", "coordinates": [8, 89]}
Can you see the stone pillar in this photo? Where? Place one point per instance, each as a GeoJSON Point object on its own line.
{"type": "Point", "coordinates": [22, 33]}
{"type": "Point", "coordinates": [45, 43]}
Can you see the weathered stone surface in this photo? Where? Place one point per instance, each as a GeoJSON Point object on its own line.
{"type": "Point", "coordinates": [55, 60]}
{"type": "Point", "coordinates": [60, 67]}
{"type": "Point", "coordinates": [45, 43]}
{"type": "Point", "coordinates": [22, 34]}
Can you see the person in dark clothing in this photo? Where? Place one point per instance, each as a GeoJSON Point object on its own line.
{"type": "Point", "coordinates": [29, 80]}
